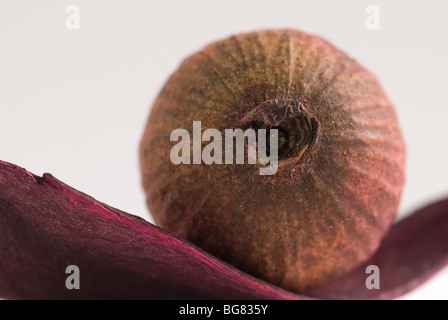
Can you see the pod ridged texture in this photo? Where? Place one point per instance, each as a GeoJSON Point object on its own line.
{"type": "Point", "coordinates": [325, 211]}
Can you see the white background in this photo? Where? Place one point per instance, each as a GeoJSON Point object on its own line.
{"type": "Point", "coordinates": [75, 102]}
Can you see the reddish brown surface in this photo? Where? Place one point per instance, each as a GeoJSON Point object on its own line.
{"type": "Point", "coordinates": [310, 223]}
{"type": "Point", "coordinates": [414, 250]}
{"type": "Point", "coordinates": [46, 225]}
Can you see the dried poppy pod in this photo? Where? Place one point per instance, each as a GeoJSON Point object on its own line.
{"type": "Point", "coordinates": [341, 158]}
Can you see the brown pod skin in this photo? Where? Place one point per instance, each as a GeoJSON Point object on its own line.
{"type": "Point", "coordinates": [341, 158]}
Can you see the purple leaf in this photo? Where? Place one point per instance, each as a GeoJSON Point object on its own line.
{"type": "Point", "coordinates": [413, 251]}
{"type": "Point", "coordinates": [46, 226]}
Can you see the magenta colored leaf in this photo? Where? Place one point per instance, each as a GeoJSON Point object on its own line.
{"type": "Point", "coordinates": [413, 251]}
{"type": "Point", "coordinates": [46, 226]}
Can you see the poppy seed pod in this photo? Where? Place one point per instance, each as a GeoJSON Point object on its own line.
{"type": "Point", "coordinates": [340, 158]}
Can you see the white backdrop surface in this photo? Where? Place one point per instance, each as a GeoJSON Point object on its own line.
{"type": "Point", "coordinates": [74, 102]}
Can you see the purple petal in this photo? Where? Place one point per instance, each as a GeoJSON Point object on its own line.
{"type": "Point", "coordinates": [46, 226]}
{"type": "Point", "coordinates": [413, 251]}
